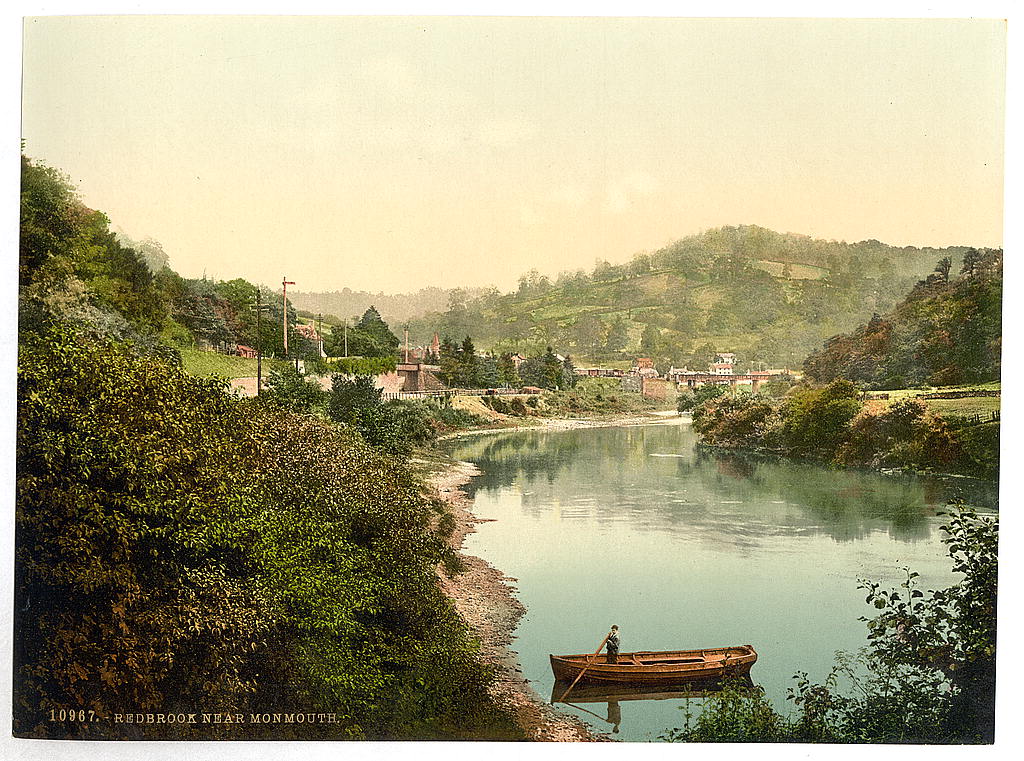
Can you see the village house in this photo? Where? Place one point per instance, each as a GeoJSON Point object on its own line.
{"type": "Point", "coordinates": [644, 367]}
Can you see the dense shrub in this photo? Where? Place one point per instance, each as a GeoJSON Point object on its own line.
{"type": "Point", "coordinates": [358, 365]}
{"type": "Point", "coordinates": [832, 425]}
{"type": "Point", "coordinates": [690, 399]}
{"type": "Point", "coordinates": [422, 421]}
{"type": "Point", "coordinates": [594, 396]}
{"type": "Point", "coordinates": [293, 391]}
{"type": "Point", "coordinates": [180, 549]}
{"type": "Point", "coordinates": [903, 434]}
{"type": "Point", "coordinates": [815, 422]}
{"type": "Point", "coordinates": [737, 421]}
{"type": "Point", "coordinates": [359, 403]}
{"type": "Point", "coordinates": [131, 525]}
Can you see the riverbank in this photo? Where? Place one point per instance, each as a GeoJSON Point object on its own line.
{"type": "Point", "coordinates": [485, 598]}
{"type": "Point", "coordinates": [669, 417]}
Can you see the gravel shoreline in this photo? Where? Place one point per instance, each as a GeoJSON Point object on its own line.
{"type": "Point", "coordinates": [485, 599]}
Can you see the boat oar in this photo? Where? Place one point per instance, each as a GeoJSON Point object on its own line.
{"type": "Point", "coordinates": [595, 715]}
{"type": "Point", "coordinates": [589, 663]}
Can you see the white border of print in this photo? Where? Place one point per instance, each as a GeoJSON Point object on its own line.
{"type": "Point", "coordinates": [1008, 724]}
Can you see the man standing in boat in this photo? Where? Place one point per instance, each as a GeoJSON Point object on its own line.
{"type": "Point", "coordinates": [613, 645]}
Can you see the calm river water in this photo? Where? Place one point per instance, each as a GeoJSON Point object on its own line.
{"type": "Point", "coordinates": [685, 549]}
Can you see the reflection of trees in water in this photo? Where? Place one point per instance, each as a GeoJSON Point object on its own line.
{"type": "Point", "coordinates": [850, 502]}
{"type": "Point", "coordinates": [651, 477]}
{"type": "Point", "coordinates": [505, 458]}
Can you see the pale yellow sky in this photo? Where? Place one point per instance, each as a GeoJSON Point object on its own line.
{"type": "Point", "coordinates": [393, 153]}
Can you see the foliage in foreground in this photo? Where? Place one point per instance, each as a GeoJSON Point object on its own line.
{"type": "Point", "coordinates": [927, 674]}
{"type": "Point", "coordinates": [181, 550]}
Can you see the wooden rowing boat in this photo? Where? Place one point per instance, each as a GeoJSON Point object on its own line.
{"type": "Point", "coordinates": [657, 667]}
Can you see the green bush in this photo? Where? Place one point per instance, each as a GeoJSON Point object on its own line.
{"type": "Point", "coordinates": [291, 390]}
{"type": "Point", "coordinates": [690, 399]}
{"type": "Point", "coordinates": [131, 521]}
{"type": "Point", "coordinates": [736, 421]}
{"type": "Point", "coordinates": [981, 445]}
{"type": "Point", "coordinates": [816, 421]}
{"type": "Point", "coordinates": [180, 549]}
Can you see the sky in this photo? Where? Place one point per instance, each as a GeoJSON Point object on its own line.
{"type": "Point", "coordinates": [393, 153]}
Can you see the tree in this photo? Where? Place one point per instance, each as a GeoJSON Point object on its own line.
{"type": "Point", "coordinates": [131, 526]}
{"type": "Point", "coordinates": [508, 373]}
{"type": "Point", "coordinates": [290, 389]}
{"type": "Point", "coordinates": [71, 263]}
{"type": "Point", "coordinates": [650, 340]}
{"type": "Point", "coordinates": [545, 371]}
{"type": "Point", "coordinates": [972, 259]}
{"type": "Point", "coordinates": [469, 366]}
{"type": "Point", "coordinates": [358, 402]}
{"type": "Point", "coordinates": [449, 362]}
{"type": "Point", "coordinates": [371, 336]}
{"type": "Point", "coordinates": [588, 333]}
{"type": "Point", "coordinates": [618, 335]}
{"type": "Point", "coordinates": [703, 355]}
{"type": "Point", "coordinates": [690, 400]}
{"type": "Point", "coordinates": [817, 421]}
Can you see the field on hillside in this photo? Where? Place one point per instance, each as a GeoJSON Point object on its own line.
{"type": "Point", "coordinates": [968, 405]}
{"type": "Point", "coordinates": [972, 405]}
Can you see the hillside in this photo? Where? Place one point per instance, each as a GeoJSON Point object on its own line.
{"type": "Point", "coordinates": [770, 297]}
{"type": "Point", "coordinates": [946, 331]}
{"type": "Point", "coordinates": [394, 307]}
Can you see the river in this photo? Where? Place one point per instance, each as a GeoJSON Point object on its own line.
{"type": "Point", "coordinates": [682, 548]}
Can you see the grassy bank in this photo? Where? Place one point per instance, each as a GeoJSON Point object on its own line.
{"type": "Point", "coordinates": [212, 363]}
{"type": "Point", "coordinates": [590, 397]}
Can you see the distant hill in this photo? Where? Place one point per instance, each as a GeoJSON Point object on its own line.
{"type": "Point", "coordinates": [770, 297]}
{"type": "Point", "coordinates": [394, 308]}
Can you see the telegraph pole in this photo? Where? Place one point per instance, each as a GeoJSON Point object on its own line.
{"type": "Point", "coordinates": [285, 282]}
{"type": "Point", "coordinates": [406, 344]}
{"type": "Point", "coordinates": [259, 341]}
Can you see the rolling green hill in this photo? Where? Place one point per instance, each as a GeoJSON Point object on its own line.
{"type": "Point", "coordinates": [770, 297]}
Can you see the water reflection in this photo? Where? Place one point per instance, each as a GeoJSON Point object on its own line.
{"type": "Point", "coordinates": [612, 695]}
{"type": "Point", "coordinates": [655, 478]}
